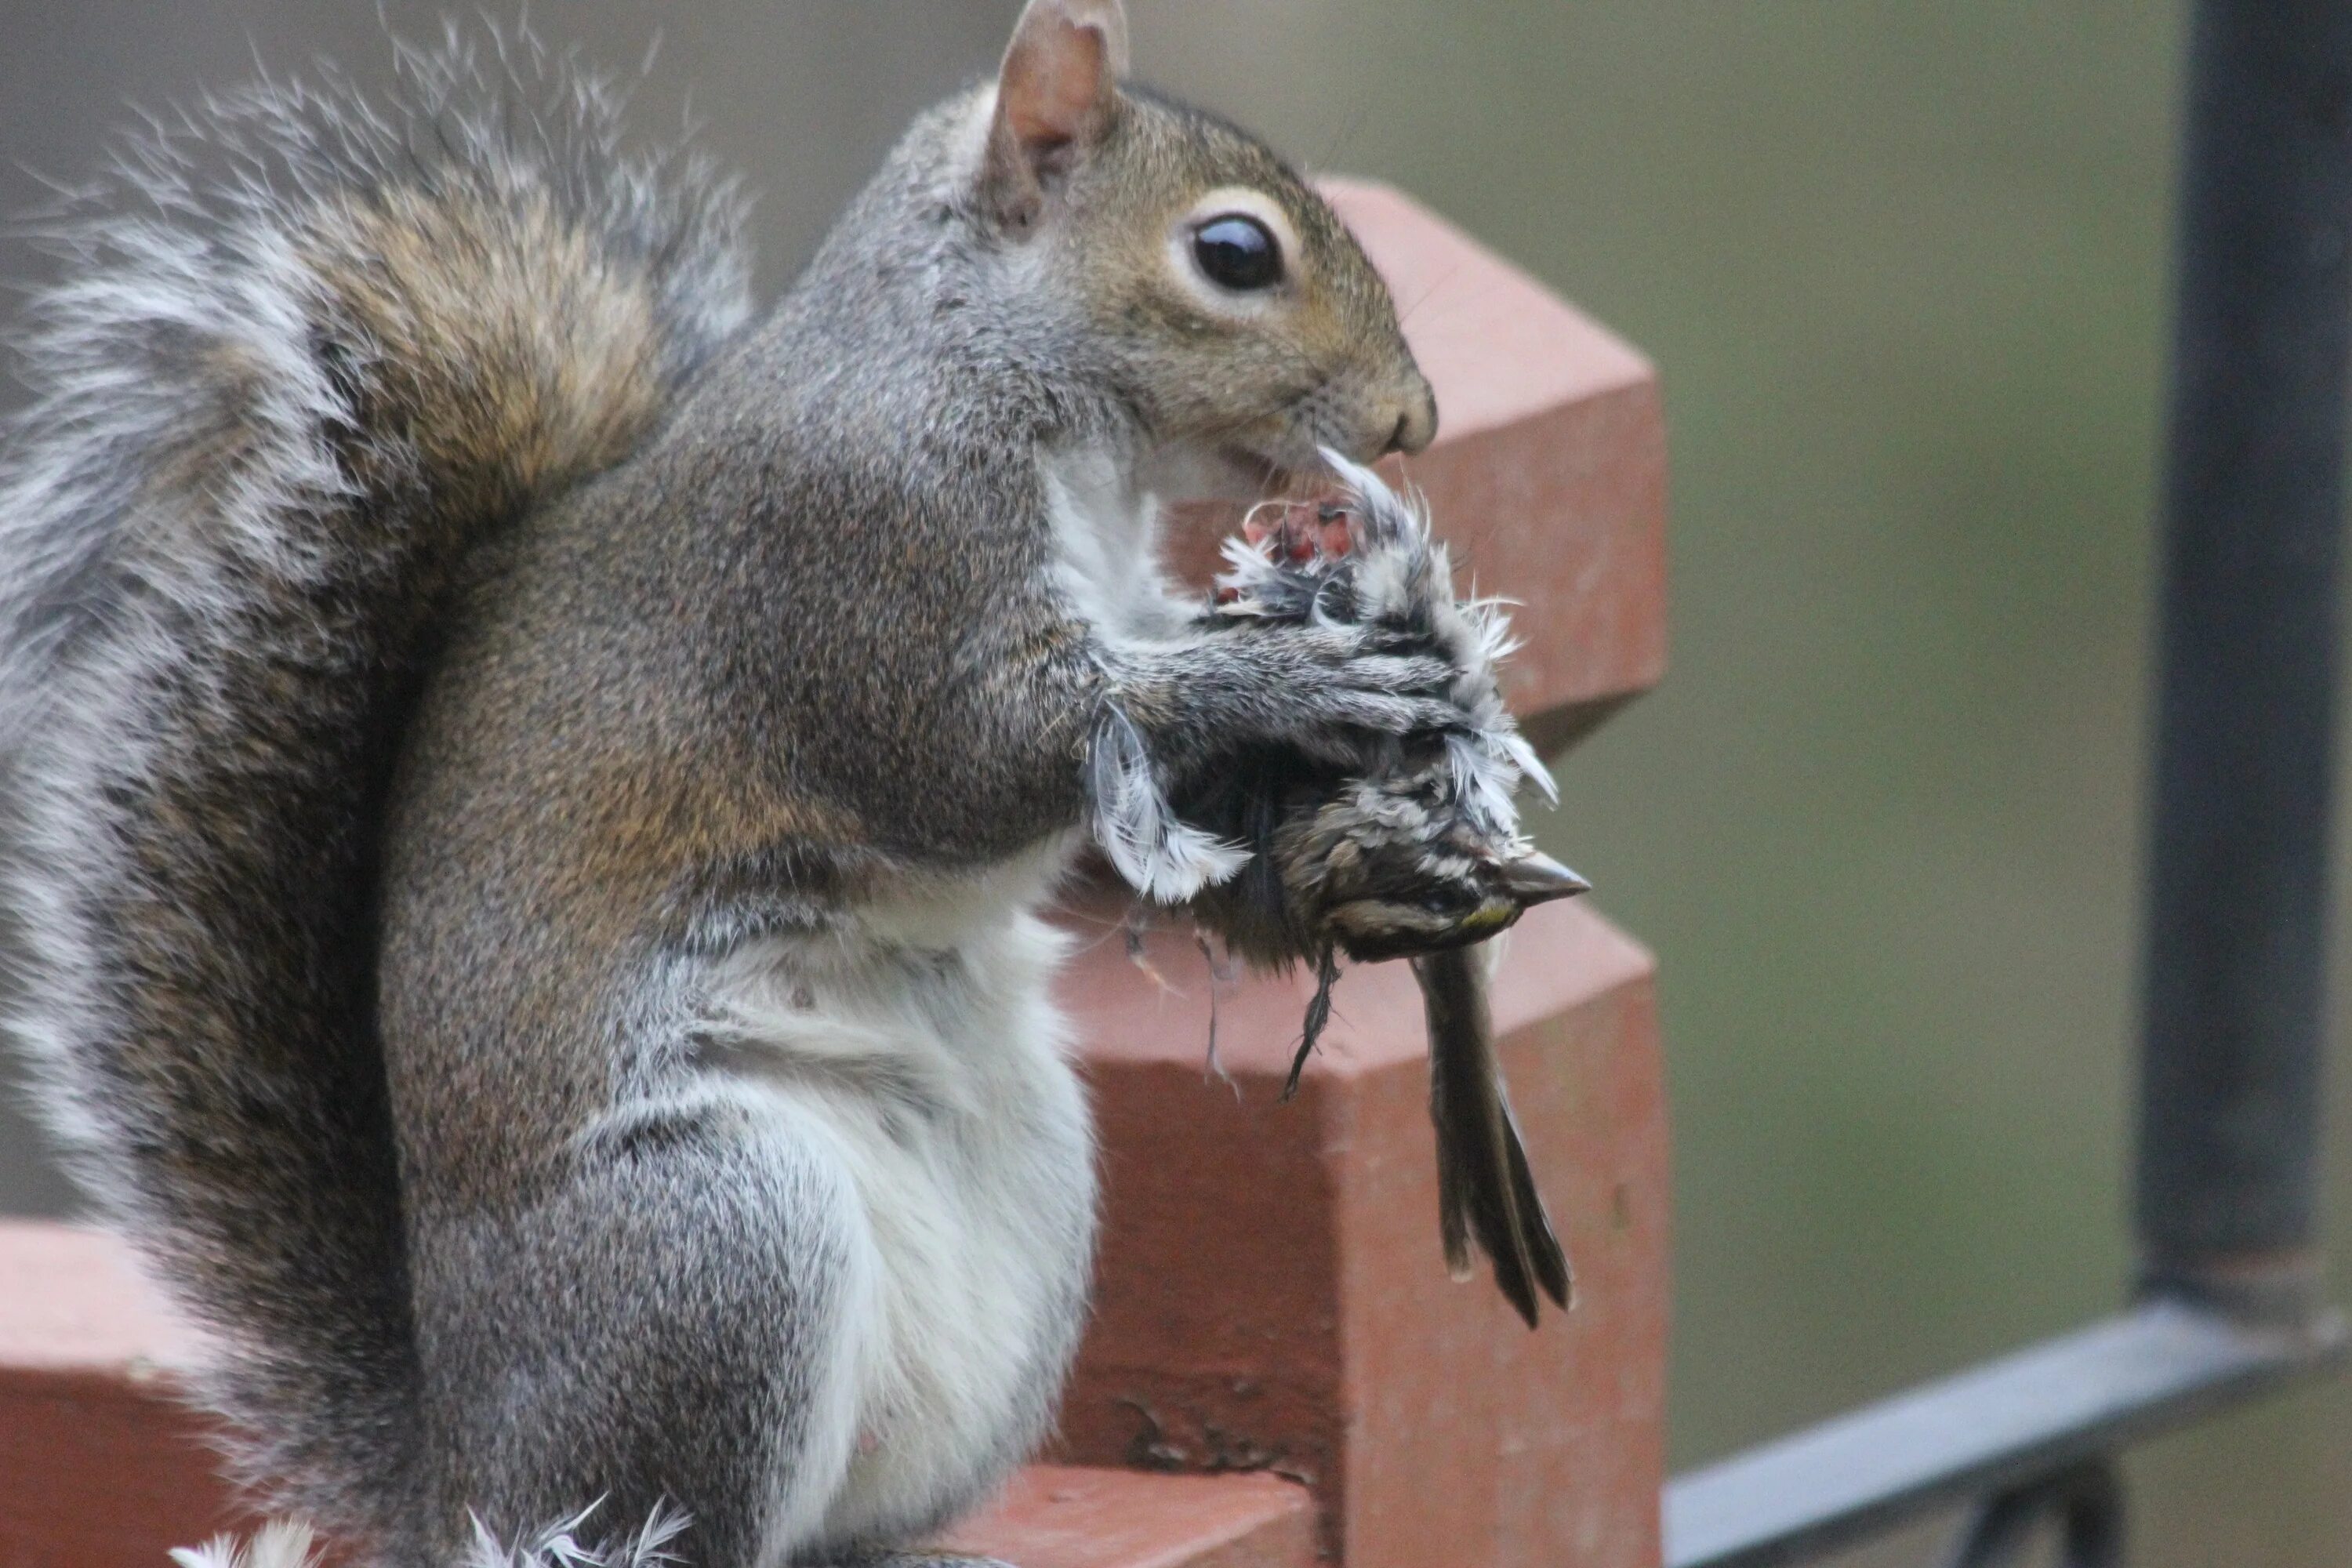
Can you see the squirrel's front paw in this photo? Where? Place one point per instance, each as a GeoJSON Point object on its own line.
{"type": "Point", "coordinates": [1327, 679]}
{"type": "Point", "coordinates": [1366, 597]}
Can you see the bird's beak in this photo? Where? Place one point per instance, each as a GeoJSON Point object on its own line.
{"type": "Point", "coordinates": [1537, 878]}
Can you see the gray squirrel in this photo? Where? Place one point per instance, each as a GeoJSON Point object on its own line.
{"type": "Point", "coordinates": [529, 794]}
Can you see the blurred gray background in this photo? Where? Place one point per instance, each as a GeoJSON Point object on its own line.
{"type": "Point", "coordinates": [1904, 269]}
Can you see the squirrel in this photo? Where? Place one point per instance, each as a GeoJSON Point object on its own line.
{"type": "Point", "coordinates": [531, 793]}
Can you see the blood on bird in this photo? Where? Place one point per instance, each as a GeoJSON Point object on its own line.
{"type": "Point", "coordinates": [1303, 530]}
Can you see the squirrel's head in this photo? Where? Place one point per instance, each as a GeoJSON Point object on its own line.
{"type": "Point", "coordinates": [1229, 307]}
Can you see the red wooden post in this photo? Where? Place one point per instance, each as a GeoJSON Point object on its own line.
{"type": "Point", "coordinates": [1279, 1367]}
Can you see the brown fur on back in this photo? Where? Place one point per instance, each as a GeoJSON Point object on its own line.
{"type": "Point", "coordinates": [273, 414]}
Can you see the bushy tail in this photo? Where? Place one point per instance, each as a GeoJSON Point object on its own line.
{"type": "Point", "coordinates": [306, 350]}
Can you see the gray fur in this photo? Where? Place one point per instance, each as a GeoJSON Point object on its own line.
{"type": "Point", "coordinates": [534, 800]}
{"type": "Point", "coordinates": [222, 552]}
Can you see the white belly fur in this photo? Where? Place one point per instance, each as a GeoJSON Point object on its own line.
{"type": "Point", "coordinates": [924, 1048]}
{"type": "Point", "coordinates": [922, 1045]}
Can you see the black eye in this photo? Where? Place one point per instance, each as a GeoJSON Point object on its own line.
{"type": "Point", "coordinates": [1237, 252]}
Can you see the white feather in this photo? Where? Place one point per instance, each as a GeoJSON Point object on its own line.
{"type": "Point", "coordinates": [1165, 860]}
{"type": "Point", "coordinates": [557, 1545]}
{"type": "Point", "coordinates": [280, 1543]}
{"type": "Point", "coordinates": [1403, 567]}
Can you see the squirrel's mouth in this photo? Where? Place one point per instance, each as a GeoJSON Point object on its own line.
{"type": "Point", "coordinates": [1237, 470]}
{"type": "Point", "coordinates": [1229, 472]}
{"type": "Point", "coordinates": [1257, 475]}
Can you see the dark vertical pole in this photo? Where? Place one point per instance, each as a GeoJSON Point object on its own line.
{"type": "Point", "coordinates": [2253, 514]}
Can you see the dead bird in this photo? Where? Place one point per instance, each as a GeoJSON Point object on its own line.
{"type": "Point", "coordinates": [1410, 849]}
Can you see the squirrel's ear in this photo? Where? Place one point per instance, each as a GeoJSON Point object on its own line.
{"type": "Point", "coordinates": [1055, 94]}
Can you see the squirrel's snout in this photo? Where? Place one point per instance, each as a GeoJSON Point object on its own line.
{"type": "Point", "coordinates": [1416, 421]}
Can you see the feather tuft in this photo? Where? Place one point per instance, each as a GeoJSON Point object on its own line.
{"type": "Point", "coordinates": [557, 1545]}
{"type": "Point", "coordinates": [280, 1543]}
{"type": "Point", "coordinates": [1162, 857]}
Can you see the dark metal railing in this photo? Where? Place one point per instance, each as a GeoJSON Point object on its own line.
{"type": "Point", "coordinates": [2000, 1434]}
{"type": "Point", "coordinates": [2229, 1304]}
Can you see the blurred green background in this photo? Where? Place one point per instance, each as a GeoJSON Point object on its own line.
{"type": "Point", "coordinates": [1903, 269]}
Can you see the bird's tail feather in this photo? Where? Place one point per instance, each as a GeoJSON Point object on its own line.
{"type": "Point", "coordinates": [1485, 1191]}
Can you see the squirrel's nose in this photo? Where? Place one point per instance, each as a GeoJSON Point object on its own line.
{"type": "Point", "coordinates": [1416, 422]}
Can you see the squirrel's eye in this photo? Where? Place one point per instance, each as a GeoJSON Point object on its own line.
{"type": "Point", "coordinates": [1237, 252]}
